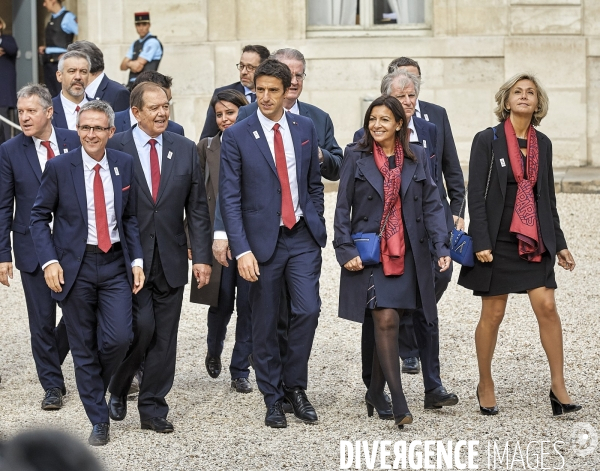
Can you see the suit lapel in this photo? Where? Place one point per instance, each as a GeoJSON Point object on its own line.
{"type": "Point", "coordinates": [501, 160]}
{"type": "Point", "coordinates": [369, 169]}
{"type": "Point", "coordinates": [101, 88]}
{"type": "Point", "coordinates": [166, 165]}
{"type": "Point", "coordinates": [254, 129]}
{"type": "Point", "coordinates": [60, 121]}
{"type": "Point", "coordinates": [62, 139]}
{"type": "Point", "coordinates": [117, 184]}
{"type": "Point", "coordinates": [542, 165]}
{"type": "Point", "coordinates": [420, 130]}
{"type": "Point", "coordinates": [79, 183]}
{"type": "Point", "coordinates": [408, 170]}
{"type": "Point", "coordinates": [424, 110]}
{"type": "Point", "coordinates": [32, 158]}
{"type": "Point", "coordinates": [303, 110]}
{"type": "Point", "coordinates": [295, 132]}
{"type": "Point", "coordinates": [128, 146]}
{"type": "Point", "coordinates": [213, 158]}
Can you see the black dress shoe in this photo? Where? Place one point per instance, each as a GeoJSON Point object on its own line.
{"type": "Point", "coordinates": [53, 399]}
{"type": "Point", "coordinates": [486, 410]}
{"type": "Point", "coordinates": [439, 397]}
{"type": "Point", "coordinates": [117, 407]}
{"type": "Point", "coordinates": [558, 408]}
{"type": "Point", "coordinates": [158, 424]}
{"type": "Point", "coordinates": [301, 406]}
{"type": "Point", "coordinates": [275, 417]}
{"type": "Point", "coordinates": [384, 413]}
{"type": "Point", "coordinates": [411, 366]}
{"type": "Point", "coordinates": [241, 385]}
{"type": "Point", "coordinates": [100, 434]}
{"type": "Point", "coordinates": [213, 366]}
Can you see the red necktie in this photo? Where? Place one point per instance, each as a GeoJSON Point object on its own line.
{"type": "Point", "coordinates": [50, 152]}
{"type": "Point", "coordinates": [287, 207]}
{"type": "Point", "coordinates": [100, 210]}
{"type": "Point", "coordinates": [77, 109]}
{"type": "Point", "coordinates": [154, 169]}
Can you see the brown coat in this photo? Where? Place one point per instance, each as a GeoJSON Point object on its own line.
{"type": "Point", "coordinates": [209, 151]}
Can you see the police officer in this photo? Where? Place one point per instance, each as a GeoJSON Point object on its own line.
{"type": "Point", "coordinates": [145, 53]}
{"type": "Point", "coordinates": [60, 32]}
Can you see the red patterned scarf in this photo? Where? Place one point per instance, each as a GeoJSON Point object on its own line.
{"type": "Point", "coordinates": [392, 237]}
{"type": "Point", "coordinates": [525, 224]}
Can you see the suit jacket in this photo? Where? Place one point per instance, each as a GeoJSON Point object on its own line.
{"type": "Point", "coordinates": [62, 194]}
{"type": "Point", "coordinates": [59, 119]}
{"type": "Point", "coordinates": [448, 166]}
{"type": "Point", "coordinates": [359, 209]}
{"type": "Point", "coordinates": [210, 128]}
{"type": "Point", "coordinates": [8, 72]}
{"type": "Point", "coordinates": [2, 136]}
{"type": "Point", "coordinates": [249, 188]}
{"type": "Point", "coordinates": [486, 213]}
{"type": "Point", "coordinates": [181, 189]}
{"type": "Point", "coordinates": [332, 153]}
{"type": "Point", "coordinates": [20, 178]}
{"type": "Point", "coordinates": [123, 123]}
{"type": "Point", "coordinates": [115, 94]}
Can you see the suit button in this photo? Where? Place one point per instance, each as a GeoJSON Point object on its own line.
{"type": "Point", "coordinates": [79, 259]}
{"type": "Point", "coordinates": [152, 236]}
{"type": "Point", "coordinates": [418, 219]}
{"type": "Point", "coordinates": [209, 198]}
{"type": "Point", "coordinates": [421, 240]}
{"type": "Point", "coordinates": [416, 198]}
{"type": "Point", "coordinates": [278, 190]}
{"type": "Point", "coordinates": [156, 210]}
{"type": "Point", "coordinates": [369, 197]}
{"type": "Point", "coordinates": [278, 213]}
{"type": "Point", "coordinates": [414, 177]}
{"type": "Point", "coordinates": [365, 218]}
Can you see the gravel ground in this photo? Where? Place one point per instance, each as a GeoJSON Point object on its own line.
{"type": "Point", "coordinates": [219, 429]}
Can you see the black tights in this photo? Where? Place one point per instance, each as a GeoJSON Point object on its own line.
{"type": "Point", "coordinates": [386, 363]}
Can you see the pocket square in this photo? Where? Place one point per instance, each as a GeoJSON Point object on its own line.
{"type": "Point", "coordinates": [306, 142]}
{"type": "Point", "coordinates": [126, 188]}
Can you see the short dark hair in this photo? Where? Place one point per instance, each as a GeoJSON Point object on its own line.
{"type": "Point", "coordinates": [155, 77]}
{"type": "Point", "coordinates": [274, 68]}
{"type": "Point", "coordinates": [137, 94]}
{"type": "Point", "coordinates": [262, 51]}
{"type": "Point", "coordinates": [93, 51]}
{"type": "Point", "coordinates": [232, 96]}
{"type": "Point", "coordinates": [397, 110]}
{"type": "Point", "coordinates": [403, 62]}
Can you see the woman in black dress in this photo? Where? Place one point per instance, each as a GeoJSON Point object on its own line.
{"type": "Point", "coordinates": [385, 187]}
{"type": "Point", "coordinates": [516, 232]}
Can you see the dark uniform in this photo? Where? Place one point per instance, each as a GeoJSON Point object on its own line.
{"type": "Point", "coordinates": [60, 32]}
{"type": "Point", "coordinates": [148, 47]}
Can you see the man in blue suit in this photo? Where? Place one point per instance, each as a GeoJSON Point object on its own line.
{"type": "Point", "coordinates": [22, 161]}
{"type": "Point", "coordinates": [73, 75]}
{"type": "Point", "coordinates": [92, 256]}
{"type": "Point", "coordinates": [271, 199]}
{"type": "Point", "coordinates": [125, 120]}
{"type": "Point", "coordinates": [100, 87]}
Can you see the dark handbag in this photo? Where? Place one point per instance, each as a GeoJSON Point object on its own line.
{"type": "Point", "coordinates": [461, 243]}
{"type": "Point", "coordinates": [368, 245]}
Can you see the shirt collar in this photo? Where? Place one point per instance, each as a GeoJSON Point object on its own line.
{"type": "Point", "coordinates": [38, 142]}
{"type": "Point", "coordinates": [143, 138]}
{"type": "Point", "coordinates": [141, 39]}
{"type": "Point", "coordinates": [247, 91]}
{"type": "Point", "coordinates": [92, 88]}
{"type": "Point", "coordinates": [68, 105]}
{"type": "Point", "coordinates": [268, 124]}
{"type": "Point", "coordinates": [411, 125]}
{"type": "Point", "coordinates": [60, 12]}
{"type": "Point", "coordinates": [418, 107]}
{"type": "Point", "coordinates": [295, 108]}
{"type": "Point", "coordinates": [91, 163]}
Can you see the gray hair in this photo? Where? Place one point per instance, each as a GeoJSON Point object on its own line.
{"type": "Point", "coordinates": [98, 105]}
{"type": "Point", "coordinates": [289, 53]}
{"type": "Point", "coordinates": [93, 51]}
{"type": "Point", "coordinates": [403, 78]}
{"type": "Point", "coordinates": [39, 90]}
{"type": "Point", "coordinates": [70, 55]}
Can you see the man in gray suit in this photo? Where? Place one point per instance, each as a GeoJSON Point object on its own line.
{"type": "Point", "coordinates": [170, 182]}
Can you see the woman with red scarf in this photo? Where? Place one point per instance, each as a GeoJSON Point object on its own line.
{"type": "Point", "coordinates": [516, 232]}
{"type": "Point", "coordinates": [386, 188]}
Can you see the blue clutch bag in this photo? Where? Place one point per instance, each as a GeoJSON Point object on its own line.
{"type": "Point", "coordinates": [368, 245]}
{"type": "Point", "coordinates": [461, 248]}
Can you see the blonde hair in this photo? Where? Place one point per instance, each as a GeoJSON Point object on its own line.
{"type": "Point", "coordinates": [502, 97]}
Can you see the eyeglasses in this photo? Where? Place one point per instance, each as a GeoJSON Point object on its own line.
{"type": "Point", "coordinates": [97, 129]}
{"type": "Point", "coordinates": [299, 77]}
{"type": "Point", "coordinates": [249, 68]}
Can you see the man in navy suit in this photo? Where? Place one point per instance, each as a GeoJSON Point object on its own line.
{"type": "Point", "coordinates": [92, 256]}
{"type": "Point", "coordinates": [100, 87]}
{"type": "Point", "coordinates": [22, 161]}
{"type": "Point", "coordinates": [252, 57]}
{"type": "Point", "coordinates": [73, 75]}
{"type": "Point", "coordinates": [125, 120]}
{"type": "Point", "coordinates": [167, 168]}
{"type": "Point", "coordinates": [271, 199]}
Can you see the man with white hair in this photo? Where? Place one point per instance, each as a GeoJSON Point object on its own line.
{"type": "Point", "coordinates": [73, 75]}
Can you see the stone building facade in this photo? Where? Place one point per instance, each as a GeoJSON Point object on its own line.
{"type": "Point", "coordinates": [466, 49]}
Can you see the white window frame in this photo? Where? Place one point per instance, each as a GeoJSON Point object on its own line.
{"type": "Point", "coordinates": [369, 28]}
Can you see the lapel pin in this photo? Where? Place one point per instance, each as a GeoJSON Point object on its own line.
{"type": "Point", "coordinates": [256, 136]}
{"type": "Point", "coordinates": [116, 170]}
{"type": "Point", "coordinates": [424, 144]}
{"type": "Point", "coordinates": [169, 155]}
{"type": "Point", "coordinates": [426, 117]}
{"type": "Point", "coordinates": [294, 122]}
{"type": "Point", "coordinates": [502, 162]}
{"type": "Point", "coordinates": [65, 150]}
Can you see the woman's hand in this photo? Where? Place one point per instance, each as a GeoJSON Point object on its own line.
{"type": "Point", "coordinates": [484, 256]}
{"type": "Point", "coordinates": [444, 263]}
{"type": "Point", "coordinates": [354, 265]}
{"type": "Point", "coordinates": [566, 260]}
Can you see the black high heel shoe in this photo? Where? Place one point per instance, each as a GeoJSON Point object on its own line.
{"type": "Point", "coordinates": [486, 410]}
{"type": "Point", "coordinates": [403, 419]}
{"type": "Point", "coordinates": [384, 414]}
{"type": "Point", "coordinates": [558, 408]}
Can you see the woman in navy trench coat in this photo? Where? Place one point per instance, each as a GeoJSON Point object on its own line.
{"type": "Point", "coordinates": [360, 208]}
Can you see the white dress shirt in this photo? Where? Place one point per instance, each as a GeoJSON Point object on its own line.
{"type": "Point", "coordinates": [92, 88]}
{"type": "Point", "coordinates": [143, 148]}
{"type": "Point", "coordinates": [42, 152]}
{"type": "Point", "coordinates": [70, 113]}
{"type": "Point", "coordinates": [413, 131]}
{"type": "Point", "coordinates": [132, 119]}
{"type": "Point", "coordinates": [418, 110]}
{"type": "Point", "coordinates": [248, 93]}
{"type": "Point", "coordinates": [294, 109]}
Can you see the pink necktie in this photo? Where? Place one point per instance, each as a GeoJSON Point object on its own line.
{"type": "Point", "coordinates": [100, 210]}
{"type": "Point", "coordinates": [154, 169]}
{"type": "Point", "coordinates": [287, 207]}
